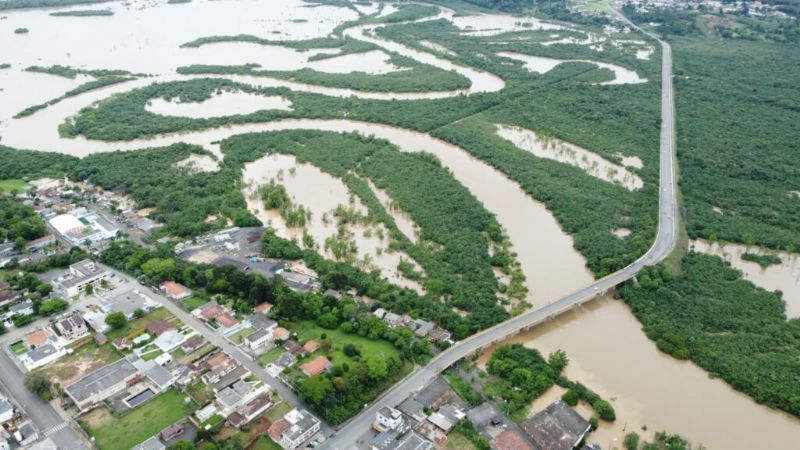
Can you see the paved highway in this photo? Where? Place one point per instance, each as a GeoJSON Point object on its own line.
{"type": "Point", "coordinates": [666, 237]}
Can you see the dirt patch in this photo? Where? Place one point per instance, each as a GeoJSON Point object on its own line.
{"type": "Point", "coordinates": [97, 418]}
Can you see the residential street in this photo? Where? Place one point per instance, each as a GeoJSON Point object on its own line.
{"type": "Point", "coordinates": [216, 339]}
{"type": "Point", "coordinates": [47, 421]}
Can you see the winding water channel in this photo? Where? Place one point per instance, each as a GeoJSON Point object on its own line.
{"type": "Point", "coordinates": [607, 349]}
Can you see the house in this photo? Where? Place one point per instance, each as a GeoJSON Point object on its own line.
{"type": "Point", "coordinates": [263, 308]}
{"type": "Point", "coordinates": [81, 274]}
{"type": "Point", "coordinates": [40, 243]}
{"type": "Point", "coordinates": [6, 411]}
{"type": "Point", "coordinates": [557, 427]}
{"type": "Point", "coordinates": [296, 427]}
{"type": "Point", "coordinates": [206, 412]}
{"type": "Point", "coordinates": [311, 346]}
{"type": "Point", "coordinates": [43, 347]}
{"type": "Point", "coordinates": [286, 360]}
{"type": "Point", "coordinates": [127, 302]}
{"type": "Point", "coordinates": [172, 431]}
{"type": "Point", "coordinates": [175, 291]}
{"type": "Point", "coordinates": [228, 324]}
{"type": "Point", "coordinates": [72, 327]}
{"type": "Point", "coordinates": [281, 334]}
{"type": "Point", "coordinates": [232, 397]}
{"type": "Point", "coordinates": [316, 366]}
{"type": "Point", "coordinates": [402, 438]}
{"type": "Point", "coordinates": [250, 410]}
{"type": "Point", "coordinates": [104, 382]}
{"type": "Point", "coordinates": [122, 344]}
{"type": "Point", "coordinates": [160, 327]}
{"type": "Point", "coordinates": [151, 444]}
{"type": "Point", "coordinates": [194, 343]}
{"type": "Point", "coordinates": [100, 338]}
{"type": "Point", "coordinates": [387, 418]}
{"type": "Point", "coordinates": [379, 313]}
{"type": "Point", "coordinates": [334, 294]}
{"type": "Point", "coordinates": [392, 319]}
{"type": "Point", "coordinates": [23, 308]}
{"type": "Point", "coordinates": [261, 322]}
{"type": "Point", "coordinates": [7, 296]}
{"type": "Point", "coordinates": [423, 328]}
{"type": "Point", "coordinates": [258, 339]}
{"type": "Point", "coordinates": [169, 341]}
{"type": "Point", "coordinates": [208, 311]}
{"type": "Point", "coordinates": [510, 440]}
{"type": "Point", "coordinates": [293, 347]}
{"type": "Point", "coordinates": [440, 334]}
{"type": "Point", "coordinates": [299, 282]}
{"type": "Point", "coordinates": [446, 417]}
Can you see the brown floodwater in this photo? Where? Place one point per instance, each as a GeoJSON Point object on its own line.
{"type": "Point", "coordinates": [610, 354]}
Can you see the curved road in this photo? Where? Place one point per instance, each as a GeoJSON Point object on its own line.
{"type": "Point", "coordinates": [346, 438]}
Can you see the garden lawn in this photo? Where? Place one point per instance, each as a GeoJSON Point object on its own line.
{"type": "Point", "coordinates": [193, 302]}
{"type": "Point", "coordinates": [137, 426]}
{"type": "Point", "coordinates": [270, 356]}
{"type": "Point", "coordinates": [307, 330]}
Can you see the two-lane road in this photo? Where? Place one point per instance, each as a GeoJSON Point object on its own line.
{"type": "Point", "coordinates": [666, 237]}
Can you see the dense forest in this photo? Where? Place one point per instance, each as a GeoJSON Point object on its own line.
{"type": "Point", "coordinates": [726, 325]}
{"type": "Point", "coordinates": [740, 99]}
{"type": "Point", "coordinates": [19, 223]}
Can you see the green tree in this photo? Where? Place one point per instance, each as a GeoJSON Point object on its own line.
{"type": "Point", "coordinates": [631, 441]}
{"type": "Point", "coordinates": [39, 384]}
{"type": "Point", "coordinates": [116, 320]}
{"type": "Point", "coordinates": [376, 367]}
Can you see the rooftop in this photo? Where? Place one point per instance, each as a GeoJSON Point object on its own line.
{"type": "Point", "coordinates": [316, 366]}
{"type": "Point", "coordinates": [557, 427]}
{"type": "Point", "coordinates": [100, 380]}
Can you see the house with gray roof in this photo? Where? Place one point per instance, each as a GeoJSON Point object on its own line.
{"type": "Point", "coordinates": [557, 427]}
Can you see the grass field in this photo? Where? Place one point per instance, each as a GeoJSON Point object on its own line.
{"type": "Point", "coordinates": [18, 348]}
{"type": "Point", "coordinates": [457, 441]}
{"type": "Point", "coordinates": [277, 412]}
{"type": "Point", "coordinates": [137, 426]}
{"type": "Point", "coordinates": [200, 392]}
{"type": "Point", "coordinates": [270, 356]}
{"type": "Point", "coordinates": [10, 185]}
{"type": "Point", "coordinates": [193, 303]}
{"type": "Point", "coordinates": [265, 443]}
{"type": "Point", "coordinates": [309, 330]}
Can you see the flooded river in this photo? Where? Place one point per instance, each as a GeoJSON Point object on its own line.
{"type": "Point", "coordinates": [607, 349]}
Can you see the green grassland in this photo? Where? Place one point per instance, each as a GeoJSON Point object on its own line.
{"type": "Point", "coordinates": [114, 432]}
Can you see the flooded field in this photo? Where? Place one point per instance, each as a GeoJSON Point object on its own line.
{"type": "Point", "coordinates": [541, 64]}
{"type": "Point", "coordinates": [557, 150]}
{"type": "Point", "coordinates": [784, 277]}
{"type": "Point", "coordinates": [321, 197]}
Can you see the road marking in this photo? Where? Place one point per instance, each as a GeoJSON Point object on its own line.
{"type": "Point", "coordinates": [55, 429]}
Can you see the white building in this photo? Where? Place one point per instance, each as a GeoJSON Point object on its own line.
{"type": "Point", "coordinates": [302, 425]}
{"type": "Point", "coordinates": [81, 274]}
{"type": "Point", "coordinates": [387, 418]}
{"type": "Point", "coordinates": [81, 226]}
{"type": "Point", "coordinates": [72, 327]}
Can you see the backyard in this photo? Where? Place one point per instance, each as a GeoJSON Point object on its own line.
{"type": "Point", "coordinates": [119, 432]}
{"type": "Point", "coordinates": [308, 330]}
